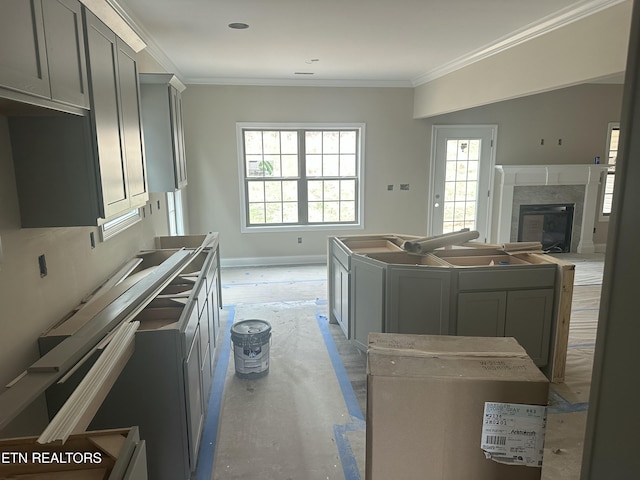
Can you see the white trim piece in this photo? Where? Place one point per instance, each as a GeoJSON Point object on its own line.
{"type": "Point", "coordinates": [78, 411]}
{"type": "Point", "coordinates": [269, 261]}
{"type": "Point", "coordinates": [541, 27]}
{"type": "Point", "coordinates": [511, 176]}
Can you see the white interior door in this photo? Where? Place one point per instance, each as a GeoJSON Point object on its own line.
{"type": "Point", "coordinates": [462, 161]}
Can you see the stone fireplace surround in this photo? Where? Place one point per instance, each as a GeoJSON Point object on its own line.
{"type": "Point", "coordinates": [540, 184]}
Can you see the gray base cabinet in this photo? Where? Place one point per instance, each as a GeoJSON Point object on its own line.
{"type": "Point", "coordinates": [339, 284]}
{"type": "Point", "coordinates": [466, 292]}
{"type": "Point", "coordinates": [417, 300]}
{"type": "Point", "coordinates": [523, 314]}
{"type": "Point", "coordinates": [368, 299]}
{"type": "Point", "coordinates": [165, 387]}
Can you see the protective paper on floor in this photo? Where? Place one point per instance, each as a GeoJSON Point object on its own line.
{"type": "Point", "coordinates": [282, 425]}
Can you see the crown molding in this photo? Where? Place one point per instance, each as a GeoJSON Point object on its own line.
{"type": "Point", "coordinates": [152, 47]}
{"type": "Point", "coordinates": [543, 26]}
{"type": "Point", "coordinates": [295, 82]}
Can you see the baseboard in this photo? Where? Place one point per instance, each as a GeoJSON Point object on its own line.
{"type": "Point", "coordinates": [600, 247]}
{"type": "Point", "coordinates": [269, 261]}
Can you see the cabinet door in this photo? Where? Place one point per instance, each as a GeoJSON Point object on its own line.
{"type": "Point", "coordinates": [131, 125]}
{"type": "Point", "coordinates": [367, 299]}
{"type": "Point", "coordinates": [65, 51]}
{"type": "Point", "coordinates": [178, 138]}
{"type": "Point", "coordinates": [528, 320]}
{"type": "Point", "coordinates": [105, 110]}
{"type": "Point", "coordinates": [418, 300]}
{"type": "Point", "coordinates": [481, 314]}
{"type": "Point", "coordinates": [340, 295]}
{"type": "Point", "coordinates": [23, 58]}
{"type": "Point", "coordinates": [193, 392]}
{"type": "Point", "coordinates": [214, 318]}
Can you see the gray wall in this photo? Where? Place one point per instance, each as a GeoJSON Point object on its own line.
{"type": "Point", "coordinates": [30, 304]}
{"type": "Point", "coordinates": [397, 151]}
{"type": "Point", "coordinates": [578, 115]}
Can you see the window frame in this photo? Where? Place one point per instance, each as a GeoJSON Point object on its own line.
{"type": "Point", "coordinates": [175, 217]}
{"type": "Point", "coordinates": [245, 227]}
{"type": "Point", "coordinates": [112, 227]}
{"type": "Point", "coordinates": [611, 171]}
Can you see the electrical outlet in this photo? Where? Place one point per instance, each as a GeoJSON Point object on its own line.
{"type": "Point", "coordinates": [404, 186]}
{"type": "Point", "coordinates": [42, 265]}
{"type": "Point", "coordinates": [299, 239]}
{"type": "Point", "coordinates": [390, 187]}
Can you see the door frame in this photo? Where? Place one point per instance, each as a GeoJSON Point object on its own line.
{"type": "Point", "coordinates": [493, 128]}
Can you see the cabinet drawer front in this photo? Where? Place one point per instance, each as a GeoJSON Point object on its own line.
{"type": "Point", "coordinates": [490, 278]}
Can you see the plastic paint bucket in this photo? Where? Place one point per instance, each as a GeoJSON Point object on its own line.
{"type": "Point", "coordinates": [251, 341]}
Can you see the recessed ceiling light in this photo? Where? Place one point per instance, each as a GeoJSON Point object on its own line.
{"type": "Point", "coordinates": [238, 26]}
{"type": "Point", "coordinates": [303, 73]}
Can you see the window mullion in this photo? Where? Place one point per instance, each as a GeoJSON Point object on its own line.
{"type": "Point", "coordinates": [303, 193]}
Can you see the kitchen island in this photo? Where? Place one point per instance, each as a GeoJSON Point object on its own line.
{"type": "Point", "coordinates": [473, 289]}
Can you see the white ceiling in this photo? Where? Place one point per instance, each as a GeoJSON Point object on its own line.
{"type": "Point", "coordinates": [339, 42]}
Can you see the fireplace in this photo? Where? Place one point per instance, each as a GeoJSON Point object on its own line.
{"type": "Point", "coordinates": [549, 224]}
{"type": "Point", "coordinates": [517, 185]}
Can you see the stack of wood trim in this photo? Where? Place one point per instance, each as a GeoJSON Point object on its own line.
{"type": "Point", "coordinates": [77, 412]}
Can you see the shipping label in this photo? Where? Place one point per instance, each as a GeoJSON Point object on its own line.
{"type": "Point", "coordinates": [513, 433]}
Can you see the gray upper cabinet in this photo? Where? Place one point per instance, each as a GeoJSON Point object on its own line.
{"type": "Point", "coordinates": [116, 119]}
{"type": "Point", "coordinates": [66, 57]}
{"type": "Point", "coordinates": [23, 60]}
{"type": "Point", "coordinates": [74, 169]}
{"type": "Point", "coordinates": [42, 50]}
{"type": "Point", "coordinates": [161, 99]}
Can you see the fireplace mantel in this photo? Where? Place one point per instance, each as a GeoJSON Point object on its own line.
{"type": "Point", "coordinates": [510, 176]}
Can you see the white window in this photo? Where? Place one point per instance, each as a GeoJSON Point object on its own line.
{"type": "Point", "coordinates": [613, 137]}
{"type": "Point", "coordinates": [175, 213]}
{"type": "Point", "coordinates": [113, 227]}
{"type": "Point", "coordinates": [300, 175]}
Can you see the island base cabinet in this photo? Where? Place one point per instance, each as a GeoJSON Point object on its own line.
{"type": "Point", "coordinates": [417, 300]}
{"type": "Point", "coordinates": [523, 314]}
{"type": "Point", "coordinates": [340, 295]}
{"type": "Point", "coordinates": [368, 302]}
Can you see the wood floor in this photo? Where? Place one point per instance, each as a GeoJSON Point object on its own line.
{"type": "Point", "coordinates": [306, 418]}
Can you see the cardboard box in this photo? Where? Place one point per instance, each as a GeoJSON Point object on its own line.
{"type": "Point", "coordinates": [426, 399]}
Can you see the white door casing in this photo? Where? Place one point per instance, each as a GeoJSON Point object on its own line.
{"type": "Point", "coordinates": [461, 178]}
